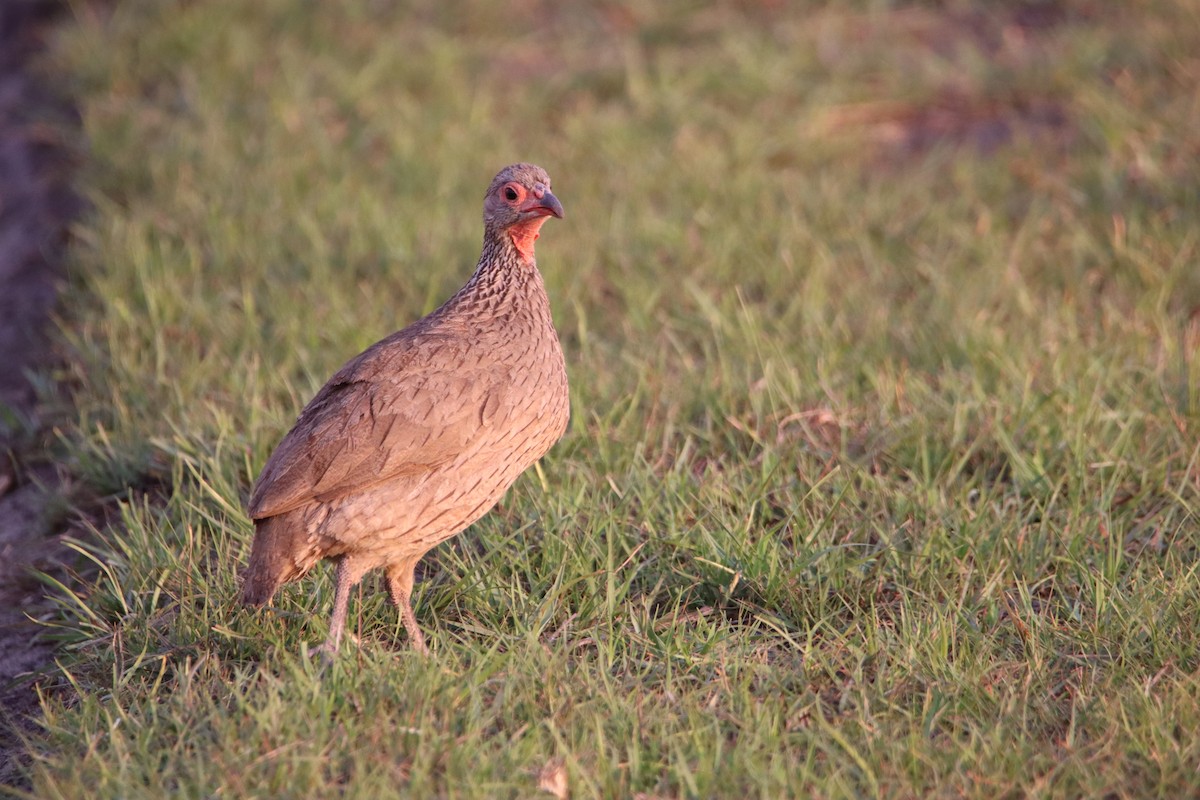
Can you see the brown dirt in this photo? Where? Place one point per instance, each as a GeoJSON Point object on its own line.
{"type": "Point", "coordinates": [36, 207]}
{"type": "Point", "coordinates": [984, 118]}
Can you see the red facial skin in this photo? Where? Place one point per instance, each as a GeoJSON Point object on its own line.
{"type": "Point", "coordinates": [535, 207]}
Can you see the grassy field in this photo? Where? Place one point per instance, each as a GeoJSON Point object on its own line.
{"type": "Point", "coordinates": [882, 321]}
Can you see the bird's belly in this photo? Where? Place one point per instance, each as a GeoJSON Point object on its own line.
{"type": "Point", "coordinates": [406, 517]}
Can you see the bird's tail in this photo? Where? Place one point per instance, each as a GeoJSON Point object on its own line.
{"type": "Point", "coordinates": [274, 557]}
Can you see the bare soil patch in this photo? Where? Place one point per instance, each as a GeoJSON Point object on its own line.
{"type": "Point", "coordinates": [37, 205]}
{"type": "Point", "coordinates": [962, 114]}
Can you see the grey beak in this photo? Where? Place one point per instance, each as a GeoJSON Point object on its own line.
{"type": "Point", "coordinates": [547, 205]}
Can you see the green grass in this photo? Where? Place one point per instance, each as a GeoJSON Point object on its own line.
{"type": "Point", "coordinates": [882, 322]}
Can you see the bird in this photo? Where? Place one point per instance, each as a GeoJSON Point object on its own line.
{"type": "Point", "coordinates": [423, 432]}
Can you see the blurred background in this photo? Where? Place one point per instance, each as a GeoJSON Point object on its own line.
{"type": "Point", "coordinates": [825, 197]}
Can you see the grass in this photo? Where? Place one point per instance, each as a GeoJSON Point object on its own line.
{"type": "Point", "coordinates": [882, 324]}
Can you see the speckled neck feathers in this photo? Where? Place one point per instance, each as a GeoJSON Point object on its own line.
{"type": "Point", "coordinates": [504, 281]}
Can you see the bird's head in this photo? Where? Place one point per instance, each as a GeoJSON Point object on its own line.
{"type": "Point", "coordinates": [517, 203]}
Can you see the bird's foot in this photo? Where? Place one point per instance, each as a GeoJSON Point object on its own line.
{"type": "Point", "coordinates": [324, 652]}
{"type": "Point", "coordinates": [327, 651]}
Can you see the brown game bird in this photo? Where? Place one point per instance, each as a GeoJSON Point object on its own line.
{"type": "Point", "coordinates": [422, 433]}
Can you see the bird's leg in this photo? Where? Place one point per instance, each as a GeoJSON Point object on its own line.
{"type": "Point", "coordinates": [341, 604]}
{"type": "Point", "coordinates": [400, 585]}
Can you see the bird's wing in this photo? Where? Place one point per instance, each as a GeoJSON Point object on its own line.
{"type": "Point", "coordinates": [402, 407]}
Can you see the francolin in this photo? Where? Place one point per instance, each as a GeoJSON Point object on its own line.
{"type": "Point", "coordinates": [421, 434]}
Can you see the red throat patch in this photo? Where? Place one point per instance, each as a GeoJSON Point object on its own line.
{"type": "Point", "coordinates": [524, 234]}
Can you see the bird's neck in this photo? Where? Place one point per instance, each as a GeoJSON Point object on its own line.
{"type": "Point", "coordinates": [506, 278]}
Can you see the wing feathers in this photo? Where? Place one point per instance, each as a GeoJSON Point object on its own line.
{"type": "Point", "coordinates": [381, 417]}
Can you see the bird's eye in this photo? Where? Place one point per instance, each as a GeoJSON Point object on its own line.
{"type": "Point", "coordinates": [510, 194]}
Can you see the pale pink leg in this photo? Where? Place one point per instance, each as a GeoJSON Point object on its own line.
{"type": "Point", "coordinates": [400, 585]}
{"type": "Point", "coordinates": [347, 576]}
